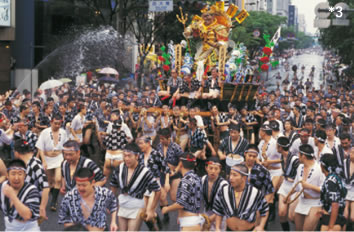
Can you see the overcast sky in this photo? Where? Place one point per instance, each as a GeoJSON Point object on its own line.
{"type": "Point", "coordinates": [307, 7]}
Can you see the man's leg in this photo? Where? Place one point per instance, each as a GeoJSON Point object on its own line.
{"type": "Point", "coordinates": [299, 222]}
{"type": "Point", "coordinates": [283, 213]}
{"type": "Point", "coordinates": [311, 220]}
{"type": "Point", "coordinates": [55, 193]}
{"type": "Point", "coordinates": [123, 224]}
{"type": "Point", "coordinates": [135, 224]}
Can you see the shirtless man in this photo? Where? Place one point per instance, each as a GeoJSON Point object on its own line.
{"type": "Point", "coordinates": [311, 177]}
{"type": "Point", "coordinates": [211, 184]}
{"type": "Point", "coordinates": [50, 146]}
{"type": "Point", "coordinates": [290, 163]}
{"type": "Point", "coordinates": [133, 180]}
{"type": "Point", "coordinates": [87, 204]}
{"type": "Point", "coordinates": [240, 202]}
{"type": "Point", "coordinates": [188, 196]}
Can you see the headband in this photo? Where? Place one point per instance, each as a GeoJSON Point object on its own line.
{"type": "Point", "coordinates": [320, 139]}
{"type": "Point", "coordinates": [129, 151]}
{"type": "Point", "coordinates": [16, 168]}
{"type": "Point", "coordinates": [80, 179]}
{"type": "Point", "coordinates": [282, 145]}
{"type": "Point", "coordinates": [305, 153]}
{"type": "Point", "coordinates": [251, 151]}
{"type": "Point", "coordinates": [304, 133]}
{"type": "Point", "coordinates": [189, 158]}
{"type": "Point", "coordinates": [68, 149]}
{"type": "Point", "coordinates": [239, 171]}
{"type": "Point", "coordinates": [213, 163]}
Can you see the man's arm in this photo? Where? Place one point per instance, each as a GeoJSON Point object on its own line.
{"type": "Point", "coordinates": [262, 223]}
{"type": "Point", "coordinates": [334, 215]}
{"type": "Point", "coordinates": [173, 207]}
{"type": "Point", "coordinates": [23, 210]}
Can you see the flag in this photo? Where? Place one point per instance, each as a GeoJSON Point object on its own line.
{"type": "Point", "coordinates": [276, 37]}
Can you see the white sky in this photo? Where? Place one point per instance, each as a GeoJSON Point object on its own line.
{"type": "Point", "coordinates": [307, 7]}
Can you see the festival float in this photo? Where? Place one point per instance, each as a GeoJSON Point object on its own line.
{"type": "Point", "coordinates": [214, 49]}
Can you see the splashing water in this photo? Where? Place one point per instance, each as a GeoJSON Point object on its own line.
{"type": "Point", "coordinates": [89, 50]}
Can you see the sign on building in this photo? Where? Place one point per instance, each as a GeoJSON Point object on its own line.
{"type": "Point", "coordinates": [5, 13]}
{"type": "Point", "coordinates": [160, 5]}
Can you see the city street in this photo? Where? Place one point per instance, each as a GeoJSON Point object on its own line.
{"type": "Point", "coordinates": [307, 59]}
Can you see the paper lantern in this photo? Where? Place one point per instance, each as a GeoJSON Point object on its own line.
{"type": "Point", "coordinates": [267, 51]}
{"type": "Point", "coordinates": [166, 68]}
{"type": "Point", "coordinates": [264, 59]}
{"type": "Point", "coordinates": [264, 67]}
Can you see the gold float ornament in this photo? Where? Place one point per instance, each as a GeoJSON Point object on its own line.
{"type": "Point", "coordinates": [183, 19]}
{"type": "Point", "coordinates": [222, 60]}
{"type": "Point", "coordinates": [231, 11]}
{"type": "Point", "coordinates": [242, 16]}
{"type": "Point", "coordinates": [220, 5]}
{"type": "Point", "coordinates": [178, 58]}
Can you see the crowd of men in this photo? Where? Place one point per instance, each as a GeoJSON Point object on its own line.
{"type": "Point", "coordinates": [235, 168]}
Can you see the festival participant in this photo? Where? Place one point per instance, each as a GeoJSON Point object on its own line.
{"type": "Point", "coordinates": [115, 141]}
{"type": "Point", "coordinates": [2, 171]}
{"type": "Point", "coordinates": [156, 163]}
{"type": "Point", "coordinates": [342, 151]}
{"type": "Point", "coordinates": [240, 202]}
{"type": "Point", "coordinates": [213, 84]}
{"type": "Point", "coordinates": [333, 194]}
{"type": "Point", "coordinates": [274, 124]}
{"type": "Point", "coordinates": [269, 156]}
{"type": "Point", "coordinates": [133, 180]}
{"type": "Point", "coordinates": [305, 138]}
{"type": "Point", "coordinates": [321, 147]}
{"type": "Point", "coordinates": [173, 85]}
{"type": "Point", "coordinates": [179, 126]}
{"type": "Point", "coordinates": [34, 117]}
{"type": "Point", "coordinates": [50, 145]}
{"type": "Point", "coordinates": [24, 133]}
{"type": "Point", "coordinates": [289, 131]}
{"type": "Point", "coordinates": [35, 173]}
{"type": "Point", "coordinates": [172, 152]}
{"type": "Point", "coordinates": [19, 200]}
{"type": "Point", "coordinates": [211, 184]}
{"type": "Point", "coordinates": [45, 117]}
{"type": "Point", "coordinates": [78, 124]}
{"type": "Point", "coordinates": [311, 177]}
{"type": "Point", "coordinates": [248, 122]}
{"type": "Point", "coordinates": [290, 163]}
{"type": "Point", "coordinates": [190, 90]}
{"type": "Point", "coordinates": [259, 176]}
{"type": "Point", "coordinates": [332, 141]}
{"type": "Point", "coordinates": [189, 196]}
{"type": "Point", "coordinates": [88, 204]}
{"type": "Point", "coordinates": [298, 119]}
{"type": "Point", "coordinates": [74, 161]}
{"type": "Point", "coordinates": [348, 177]}
{"type": "Point", "coordinates": [164, 120]}
{"type": "Point", "coordinates": [233, 144]}
{"type": "Point", "coordinates": [198, 141]}
{"type": "Point", "coordinates": [221, 121]}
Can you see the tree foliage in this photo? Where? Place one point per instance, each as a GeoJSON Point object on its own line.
{"type": "Point", "coordinates": [340, 38]}
{"type": "Point", "coordinates": [262, 21]}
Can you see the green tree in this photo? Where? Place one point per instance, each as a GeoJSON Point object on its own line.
{"type": "Point", "coordinates": [262, 21]}
{"type": "Point", "coordinates": [340, 38]}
